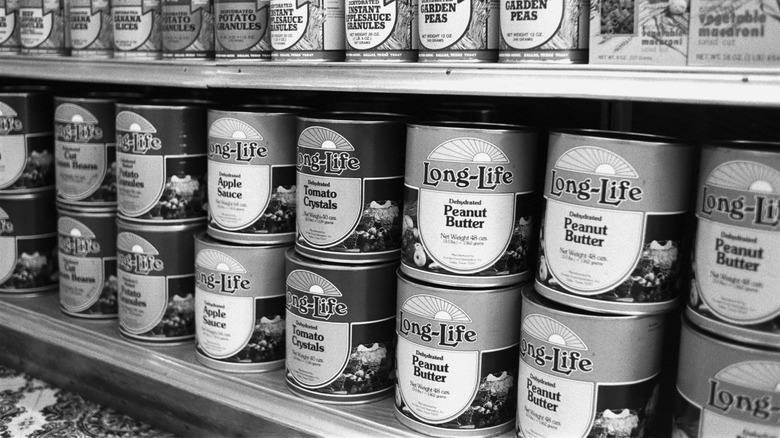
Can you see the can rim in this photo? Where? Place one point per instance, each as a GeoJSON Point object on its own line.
{"type": "Point", "coordinates": [632, 137]}
{"type": "Point", "coordinates": [487, 127]}
{"type": "Point", "coordinates": [759, 146]}
{"type": "Point", "coordinates": [534, 297]}
{"type": "Point", "coordinates": [205, 238]}
{"type": "Point", "coordinates": [254, 109]}
{"type": "Point", "coordinates": [468, 290]}
{"type": "Point", "coordinates": [168, 104]}
{"type": "Point", "coordinates": [164, 228]}
{"type": "Point", "coordinates": [109, 210]}
{"type": "Point", "coordinates": [733, 343]}
{"type": "Point", "coordinates": [355, 117]}
{"type": "Point", "coordinates": [294, 256]}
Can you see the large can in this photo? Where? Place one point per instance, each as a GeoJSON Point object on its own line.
{"type": "Point", "coordinates": [91, 29]}
{"type": "Point", "coordinates": [379, 30]}
{"type": "Point", "coordinates": [161, 161]}
{"type": "Point", "coordinates": [42, 27]}
{"type": "Point", "coordinates": [307, 31]}
{"type": "Point", "coordinates": [156, 279]}
{"type": "Point", "coordinates": [737, 250]}
{"type": "Point", "coordinates": [28, 243]}
{"type": "Point", "coordinates": [457, 30]}
{"type": "Point", "coordinates": [457, 359]}
{"type": "Point", "coordinates": [339, 334]}
{"type": "Point", "coordinates": [615, 219]}
{"type": "Point", "coordinates": [242, 29]}
{"type": "Point", "coordinates": [27, 158]}
{"type": "Point", "coordinates": [468, 202]}
{"type": "Point", "coordinates": [87, 261]}
{"type": "Point", "coordinates": [9, 27]}
{"type": "Point", "coordinates": [587, 375]}
{"type": "Point", "coordinates": [137, 29]}
{"type": "Point", "coordinates": [187, 29]}
{"type": "Point", "coordinates": [350, 186]}
{"type": "Point", "coordinates": [85, 151]}
{"type": "Point", "coordinates": [251, 174]}
{"type": "Point", "coordinates": [239, 305]}
{"type": "Point", "coordinates": [725, 389]}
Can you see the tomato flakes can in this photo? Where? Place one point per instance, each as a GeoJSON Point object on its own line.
{"type": "Point", "coordinates": [9, 27]}
{"type": "Point", "coordinates": [615, 219]}
{"type": "Point", "coordinates": [468, 201]}
{"type": "Point", "coordinates": [339, 333]}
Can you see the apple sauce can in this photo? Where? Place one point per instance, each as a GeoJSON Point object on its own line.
{"type": "Point", "coordinates": [251, 174]}
{"type": "Point", "coordinates": [737, 247]}
{"type": "Point", "coordinates": [28, 243]}
{"type": "Point", "coordinates": [457, 358]}
{"type": "Point", "coordinates": [87, 260]}
{"type": "Point", "coordinates": [340, 330]}
{"type": "Point", "coordinates": [9, 27]}
{"type": "Point", "coordinates": [156, 281]}
{"type": "Point", "coordinates": [161, 161]}
{"type": "Point", "coordinates": [584, 374]}
{"type": "Point", "coordinates": [469, 193]}
{"type": "Point", "coordinates": [725, 388]}
{"type": "Point", "coordinates": [350, 171]}
{"type": "Point", "coordinates": [614, 221]}
{"type": "Point", "coordinates": [239, 305]}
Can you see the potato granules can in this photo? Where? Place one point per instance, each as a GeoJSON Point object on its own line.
{"type": "Point", "coordinates": [239, 305]}
{"type": "Point", "coordinates": [28, 243]}
{"type": "Point", "coordinates": [156, 279]}
{"type": "Point", "coordinates": [27, 158]}
{"type": "Point", "coordinates": [161, 161]}
{"type": "Point", "coordinates": [350, 186]}
{"type": "Point", "coordinates": [455, 30]}
{"type": "Point", "coordinates": [544, 31]}
{"type": "Point", "coordinates": [87, 260]}
{"type": "Point", "coordinates": [251, 174]}
{"type": "Point", "coordinates": [457, 359]}
{"type": "Point", "coordinates": [468, 201]}
{"type": "Point", "coordinates": [187, 29]}
{"type": "Point", "coordinates": [615, 221]}
{"type": "Point", "coordinates": [137, 29]}
{"type": "Point", "coordinates": [379, 30]}
{"type": "Point", "coordinates": [42, 27]}
{"type": "Point", "coordinates": [91, 29]}
{"type": "Point", "coordinates": [242, 29]}
{"type": "Point", "coordinates": [307, 31]}
{"type": "Point", "coordinates": [737, 248]}
{"type": "Point", "coordinates": [587, 375]}
{"type": "Point", "coordinates": [339, 332]}
{"type": "Point", "coordinates": [9, 27]}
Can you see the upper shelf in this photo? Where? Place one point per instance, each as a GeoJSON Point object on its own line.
{"type": "Point", "coordinates": [730, 86]}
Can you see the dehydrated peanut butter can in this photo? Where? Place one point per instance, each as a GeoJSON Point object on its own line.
{"type": "Point", "coordinates": [457, 359]}
{"type": "Point", "coordinates": [615, 221]}
{"type": "Point", "coordinates": [468, 204]}
{"type": "Point", "coordinates": [350, 186]}
{"type": "Point", "coordinates": [340, 330]}
{"type": "Point", "coordinates": [239, 305]}
{"type": "Point", "coordinates": [584, 374]}
{"type": "Point", "coordinates": [737, 247]}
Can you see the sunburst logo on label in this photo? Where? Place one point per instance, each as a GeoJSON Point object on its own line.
{"type": "Point", "coordinates": [226, 275]}
{"type": "Point", "coordinates": [318, 137]}
{"type": "Point", "coordinates": [743, 176]}
{"type": "Point", "coordinates": [549, 330]}
{"type": "Point", "coordinates": [8, 119]}
{"type": "Point", "coordinates": [76, 238]}
{"type": "Point", "coordinates": [74, 123]}
{"type": "Point", "coordinates": [468, 150]}
{"type": "Point", "coordinates": [6, 226]}
{"type": "Point", "coordinates": [228, 128]}
{"type": "Point", "coordinates": [747, 389]}
{"type": "Point", "coordinates": [595, 161]}
{"type": "Point", "coordinates": [218, 261]}
{"type": "Point", "coordinates": [135, 133]}
{"type": "Point", "coordinates": [431, 307]}
{"type": "Point", "coordinates": [137, 255]}
{"type": "Point", "coordinates": [746, 176]}
{"type": "Point", "coordinates": [319, 298]}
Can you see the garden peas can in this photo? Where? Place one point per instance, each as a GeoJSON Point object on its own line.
{"type": "Point", "coordinates": [468, 199]}
{"type": "Point", "coordinates": [239, 305]}
{"type": "Point", "coordinates": [457, 359]}
{"type": "Point", "coordinates": [350, 186]}
{"type": "Point", "coordinates": [339, 332]}
{"type": "Point", "coordinates": [615, 218]}
{"type": "Point", "coordinates": [458, 30]}
{"type": "Point", "coordinates": [9, 27]}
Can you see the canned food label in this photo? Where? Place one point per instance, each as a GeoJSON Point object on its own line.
{"type": "Point", "coordinates": [90, 26]}
{"type": "Point", "coordinates": [242, 29]}
{"type": "Point", "coordinates": [383, 28]}
{"type": "Point", "coordinates": [307, 29]}
{"type": "Point", "coordinates": [26, 161]}
{"type": "Point", "coordinates": [136, 27]}
{"type": "Point", "coordinates": [187, 27]}
{"type": "Point", "coordinates": [9, 31]}
{"type": "Point", "coordinates": [540, 30]}
{"type": "Point", "coordinates": [462, 29]}
{"type": "Point", "coordinates": [42, 26]}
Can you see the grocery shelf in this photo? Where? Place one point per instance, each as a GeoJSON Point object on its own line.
{"type": "Point", "coordinates": [729, 86]}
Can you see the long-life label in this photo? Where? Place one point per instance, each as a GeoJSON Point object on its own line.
{"type": "Point", "coordinates": [380, 29]}
{"type": "Point", "coordinates": [9, 28]}
{"type": "Point", "coordinates": [27, 247]}
{"type": "Point", "coordinates": [242, 29]}
{"type": "Point", "coordinates": [137, 29]}
{"type": "Point", "coordinates": [91, 29]}
{"type": "Point", "coordinates": [307, 29]}
{"type": "Point", "coordinates": [458, 30]}
{"type": "Point", "coordinates": [42, 26]}
{"type": "Point", "coordinates": [26, 158]}
{"type": "Point", "coordinates": [187, 28]}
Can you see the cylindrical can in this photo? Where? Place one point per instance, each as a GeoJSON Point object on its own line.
{"type": "Point", "coordinates": [615, 221]}
{"type": "Point", "coordinates": [242, 29]}
{"type": "Point", "coordinates": [85, 151]}
{"type": "Point", "coordinates": [42, 27]}
{"type": "Point", "coordinates": [91, 29]}
{"type": "Point", "coordinates": [27, 158]}
{"type": "Point", "coordinates": [188, 29]}
{"type": "Point", "coordinates": [725, 388]}
{"type": "Point", "coordinates": [544, 31]}
{"type": "Point", "coordinates": [587, 375]}
{"type": "Point", "coordinates": [161, 161]}
{"type": "Point", "coordinates": [339, 333]}
{"type": "Point", "coordinates": [251, 174]}
{"type": "Point", "coordinates": [737, 248]}
{"type": "Point", "coordinates": [379, 30]}
{"type": "Point", "coordinates": [87, 261]}
{"type": "Point", "coordinates": [307, 31]}
{"type": "Point", "coordinates": [137, 29]}
{"type": "Point", "coordinates": [239, 305]}
{"type": "Point", "coordinates": [455, 30]}
{"type": "Point", "coordinates": [156, 279]}
{"type": "Point", "coordinates": [9, 27]}
{"type": "Point", "coordinates": [468, 204]}
{"type": "Point", "coordinates": [28, 243]}
{"type": "Point", "coordinates": [350, 186]}
{"type": "Point", "coordinates": [457, 359]}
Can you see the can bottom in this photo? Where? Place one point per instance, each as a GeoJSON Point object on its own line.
{"type": "Point", "coordinates": [354, 258]}
{"type": "Point", "coordinates": [239, 367]}
{"type": "Point", "coordinates": [478, 281]}
{"type": "Point", "coordinates": [432, 430]}
{"type": "Point", "coordinates": [735, 333]}
{"type": "Point", "coordinates": [250, 238]}
{"type": "Point", "coordinates": [345, 399]}
{"type": "Point", "coordinates": [156, 341]}
{"type": "Point", "coordinates": [95, 316]}
{"type": "Point", "coordinates": [604, 306]}
{"type": "Point", "coordinates": [26, 294]}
